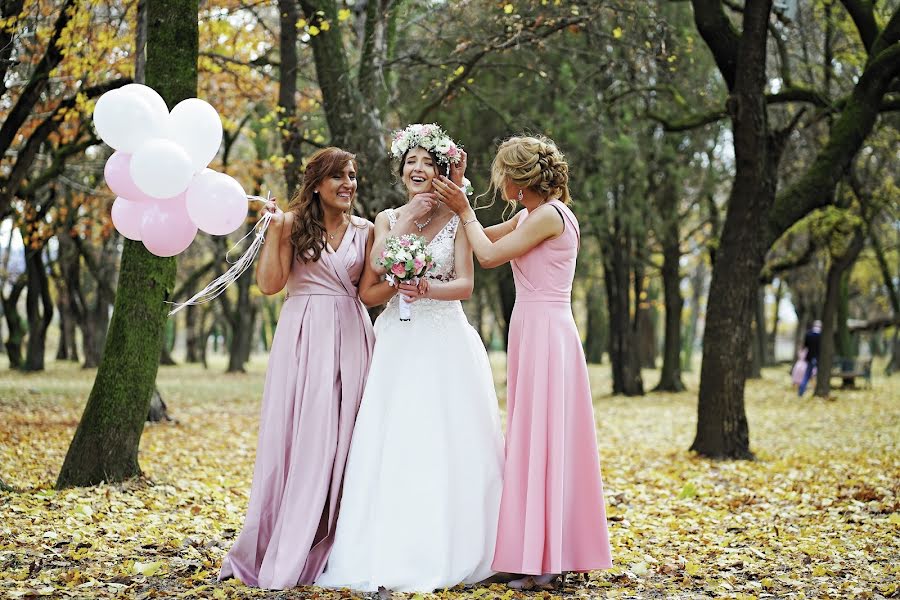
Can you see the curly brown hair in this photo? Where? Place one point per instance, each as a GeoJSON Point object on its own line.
{"type": "Point", "coordinates": [308, 231]}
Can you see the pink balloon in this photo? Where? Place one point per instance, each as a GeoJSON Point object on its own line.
{"type": "Point", "coordinates": [166, 228]}
{"type": "Point", "coordinates": [127, 217]}
{"type": "Point", "coordinates": [216, 203]}
{"type": "Point", "coordinates": [118, 178]}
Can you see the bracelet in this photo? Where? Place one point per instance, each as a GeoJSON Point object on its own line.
{"type": "Point", "coordinates": [472, 220]}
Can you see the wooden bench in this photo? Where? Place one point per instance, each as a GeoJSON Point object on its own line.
{"type": "Point", "coordinates": [849, 367]}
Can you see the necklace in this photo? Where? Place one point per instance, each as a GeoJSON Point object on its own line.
{"type": "Point", "coordinates": [332, 236]}
{"type": "Point", "coordinates": [422, 226]}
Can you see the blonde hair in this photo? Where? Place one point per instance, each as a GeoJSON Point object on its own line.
{"type": "Point", "coordinates": [532, 162]}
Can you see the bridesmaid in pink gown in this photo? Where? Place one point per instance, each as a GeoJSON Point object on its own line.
{"type": "Point", "coordinates": [317, 368]}
{"type": "Point", "coordinates": [552, 513]}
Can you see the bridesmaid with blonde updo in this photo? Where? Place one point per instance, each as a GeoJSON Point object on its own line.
{"type": "Point", "coordinates": [552, 514]}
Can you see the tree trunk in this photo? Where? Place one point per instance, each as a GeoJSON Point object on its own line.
{"type": "Point", "coordinates": [758, 347]}
{"type": "Point", "coordinates": [168, 344]}
{"type": "Point", "coordinates": [843, 339]}
{"type": "Point", "coordinates": [68, 344]}
{"type": "Point", "coordinates": [105, 446]}
{"type": "Point", "coordinates": [647, 342]}
{"type": "Point", "coordinates": [893, 364]}
{"type": "Point", "coordinates": [287, 94]}
{"type": "Point", "coordinates": [698, 285]}
{"type": "Point", "coordinates": [193, 329]}
{"type": "Point", "coordinates": [354, 120]}
{"type": "Point", "coordinates": [15, 324]}
{"type": "Point", "coordinates": [242, 319]}
{"type": "Point", "coordinates": [771, 351]}
{"type": "Point", "coordinates": [96, 326]}
{"type": "Point", "coordinates": [623, 325]}
{"type": "Point", "coordinates": [39, 308]}
{"type": "Point", "coordinates": [597, 329]}
{"type": "Point", "coordinates": [670, 378]}
{"type": "Point", "coordinates": [839, 265]}
{"type": "Point", "coordinates": [722, 430]}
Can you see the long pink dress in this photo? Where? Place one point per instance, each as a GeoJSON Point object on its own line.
{"type": "Point", "coordinates": [552, 513]}
{"type": "Point", "coordinates": [317, 368]}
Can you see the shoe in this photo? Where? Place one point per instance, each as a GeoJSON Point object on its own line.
{"type": "Point", "coordinates": [551, 582]}
{"type": "Point", "coordinates": [526, 583]}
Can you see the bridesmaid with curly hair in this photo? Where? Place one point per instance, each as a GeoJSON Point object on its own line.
{"type": "Point", "coordinates": [552, 515]}
{"type": "Point", "coordinates": [314, 383]}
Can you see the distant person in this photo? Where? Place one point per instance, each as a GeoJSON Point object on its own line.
{"type": "Point", "coordinates": [811, 343]}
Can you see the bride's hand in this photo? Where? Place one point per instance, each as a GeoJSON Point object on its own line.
{"type": "Point", "coordinates": [450, 194]}
{"type": "Point", "coordinates": [410, 292]}
{"type": "Point", "coordinates": [421, 205]}
{"type": "Point", "coordinates": [458, 171]}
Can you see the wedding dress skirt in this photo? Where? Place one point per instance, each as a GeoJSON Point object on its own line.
{"type": "Point", "coordinates": [423, 480]}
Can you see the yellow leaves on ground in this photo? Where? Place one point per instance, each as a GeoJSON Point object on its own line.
{"type": "Point", "coordinates": [816, 516]}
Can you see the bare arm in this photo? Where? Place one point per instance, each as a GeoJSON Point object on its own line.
{"type": "Point", "coordinates": [495, 232]}
{"type": "Point", "coordinates": [542, 224]}
{"type": "Point", "coordinates": [277, 254]}
{"type": "Point", "coordinates": [373, 291]}
{"type": "Point", "coordinates": [503, 242]}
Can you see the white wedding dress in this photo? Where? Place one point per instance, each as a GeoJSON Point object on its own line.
{"type": "Point", "coordinates": [422, 485]}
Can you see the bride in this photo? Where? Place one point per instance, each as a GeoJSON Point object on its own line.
{"type": "Point", "coordinates": [423, 479]}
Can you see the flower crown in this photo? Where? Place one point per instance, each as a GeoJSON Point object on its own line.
{"type": "Point", "coordinates": [431, 137]}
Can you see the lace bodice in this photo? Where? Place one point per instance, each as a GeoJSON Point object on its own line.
{"type": "Point", "coordinates": [436, 313]}
{"type": "Point", "coordinates": [442, 248]}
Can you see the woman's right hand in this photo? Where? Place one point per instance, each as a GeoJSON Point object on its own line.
{"type": "Point", "coordinates": [277, 213]}
{"type": "Point", "coordinates": [421, 205]}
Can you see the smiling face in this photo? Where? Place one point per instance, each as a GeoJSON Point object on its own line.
{"type": "Point", "coordinates": [418, 171]}
{"type": "Point", "coordinates": [337, 190]}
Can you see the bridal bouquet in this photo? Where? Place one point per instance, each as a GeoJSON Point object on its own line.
{"type": "Point", "coordinates": [406, 259]}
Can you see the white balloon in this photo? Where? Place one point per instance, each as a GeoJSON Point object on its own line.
{"type": "Point", "coordinates": [125, 120]}
{"type": "Point", "coordinates": [216, 203]}
{"type": "Point", "coordinates": [150, 95]}
{"type": "Point", "coordinates": [196, 126]}
{"type": "Point", "coordinates": [161, 168]}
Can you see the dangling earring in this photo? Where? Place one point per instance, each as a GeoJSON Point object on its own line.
{"type": "Point", "coordinates": [520, 195]}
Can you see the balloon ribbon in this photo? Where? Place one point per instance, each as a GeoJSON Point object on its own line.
{"type": "Point", "coordinates": [221, 283]}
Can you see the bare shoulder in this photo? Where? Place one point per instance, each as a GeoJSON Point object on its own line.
{"type": "Point", "coordinates": [547, 219]}
{"type": "Point", "coordinates": [361, 222]}
{"type": "Point", "coordinates": [382, 219]}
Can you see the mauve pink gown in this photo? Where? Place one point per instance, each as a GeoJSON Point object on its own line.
{"type": "Point", "coordinates": [314, 383]}
{"type": "Point", "coordinates": [552, 513]}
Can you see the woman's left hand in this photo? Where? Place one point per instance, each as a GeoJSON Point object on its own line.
{"type": "Point", "coordinates": [458, 171]}
{"type": "Point", "coordinates": [451, 194]}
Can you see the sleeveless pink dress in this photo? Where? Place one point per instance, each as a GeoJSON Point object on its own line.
{"type": "Point", "coordinates": [552, 513]}
{"type": "Point", "coordinates": [314, 383]}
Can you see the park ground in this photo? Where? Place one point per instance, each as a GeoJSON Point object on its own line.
{"type": "Point", "coordinates": [816, 515]}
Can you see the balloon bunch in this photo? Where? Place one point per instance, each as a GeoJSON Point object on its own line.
{"type": "Point", "coordinates": [158, 172]}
